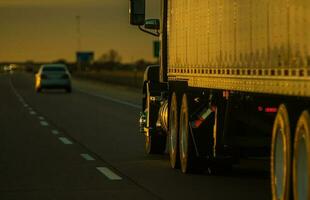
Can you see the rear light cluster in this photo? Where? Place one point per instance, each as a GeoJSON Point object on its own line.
{"type": "Point", "coordinates": [267, 109]}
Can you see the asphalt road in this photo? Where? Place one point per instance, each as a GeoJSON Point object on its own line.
{"type": "Point", "coordinates": [86, 145]}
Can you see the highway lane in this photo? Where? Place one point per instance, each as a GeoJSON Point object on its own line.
{"type": "Point", "coordinates": [39, 161]}
{"type": "Point", "coordinates": [108, 129]}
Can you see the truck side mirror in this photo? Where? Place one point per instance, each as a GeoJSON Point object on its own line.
{"type": "Point", "coordinates": [137, 12]}
{"type": "Point", "coordinates": [153, 24]}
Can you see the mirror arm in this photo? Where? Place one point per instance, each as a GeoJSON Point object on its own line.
{"type": "Point", "coordinates": [157, 34]}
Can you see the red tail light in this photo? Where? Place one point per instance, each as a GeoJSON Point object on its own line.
{"type": "Point", "coordinates": [271, 110]}
{"type": "Point", "coordinates": [267, 109]}
{"type": "Point", "coordinates": [260, 108]}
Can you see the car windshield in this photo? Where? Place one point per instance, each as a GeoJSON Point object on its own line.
{"type": "Point", "coordinates": [54, 69]}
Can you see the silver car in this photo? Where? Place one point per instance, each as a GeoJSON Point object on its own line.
{"type": "Point", "coordinates": [53, 76]}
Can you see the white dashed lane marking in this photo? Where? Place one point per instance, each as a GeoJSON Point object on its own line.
{"type": "Point", "coordinates": [104, 170]}
{"type": "Point", "coordinates": [55, 132]}
{"type": "Point", "coordinates": [43, 123]}
{"type": "Point", "coordinates": [109, 174]}
{"type": "Point", "coordinates": [87, 157]}
{"type": "Point", "coordinates": [65, 140]}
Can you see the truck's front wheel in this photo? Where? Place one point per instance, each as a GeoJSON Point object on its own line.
{"type": "Point", "coordinates": [155, 142]}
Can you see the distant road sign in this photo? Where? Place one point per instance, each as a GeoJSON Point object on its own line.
{"type": "Point", "coordinates": [85, 57]}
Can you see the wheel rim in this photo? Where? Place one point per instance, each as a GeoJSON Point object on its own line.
{"type": "Point", "coordinates": [173, 136]}
{"type": "Point", "coordinates": [301, 163]}
{"type": "Point", "coordinates": [279, 167]}
{"type": "Point", "coordinates": [183, 139]}
{"type": "Point", "coordinates": [281, 156]}
{"type": "Point", "coordinates": [184, 135]}
{"type": "Point", "coordinates": [302, 170]}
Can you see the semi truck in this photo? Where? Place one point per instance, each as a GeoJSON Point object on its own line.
{"type": "Point", "coordinates": [233, 83]}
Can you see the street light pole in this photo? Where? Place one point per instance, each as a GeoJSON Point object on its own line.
{"type": "Point", "coordinates": [78, 29]}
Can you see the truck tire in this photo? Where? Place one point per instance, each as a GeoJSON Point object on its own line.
{"type": "Point", "coordinates": [155, 143]}
{"type": "Point", "coordinates": [187, 150]}
{"type": "Point", "coordinates": [281, 155]}
{"type": "Point", "coordinates": [301, 160]}
{"type": "Point", "coordinates": [173, 132]}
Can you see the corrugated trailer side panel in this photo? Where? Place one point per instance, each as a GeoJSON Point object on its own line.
{"type": "Point", "coordinates": [256, 46]}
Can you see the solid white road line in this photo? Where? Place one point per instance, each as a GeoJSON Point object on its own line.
{"type": "Point", "coordinates": [55, 132]}
{"type": "Point", "coordinates": [43, 123]}
{"type": "Point", "coordinates": [65, 140]}
{"type": "Point", "coordinates": [108, 173]}
{"type": "Point", "coordinates": [111, 99]}
{"type": "Point", "coordinates": [87, 157]}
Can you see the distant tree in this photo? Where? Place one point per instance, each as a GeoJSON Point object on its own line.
{"type": "Point", "coordinates": [60, 61]}
{"type": "Point", "coordinates": [111, 57]}
{"type": "Point", "coordinates": [142, 64]}
{"type": "Point", "coordinates": [29, 62]}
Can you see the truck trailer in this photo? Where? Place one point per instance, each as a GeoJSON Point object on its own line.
{"type": "Point", "coordinates": [233, 83]}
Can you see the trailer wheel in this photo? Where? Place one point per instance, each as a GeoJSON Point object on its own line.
{"type": "Point", "coordinates": [154, 141]}
{"type": "Point", "coordinates": [187, 151]}
{"type": "Point", "coordinates": [301, 161]}
{"type": "Point", "coordinates": [173, 132]}
{"type": "Point", "coordinates": [281, 155]}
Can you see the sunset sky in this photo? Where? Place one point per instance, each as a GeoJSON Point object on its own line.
{"type": "Point", "coordinates": [46, 30]}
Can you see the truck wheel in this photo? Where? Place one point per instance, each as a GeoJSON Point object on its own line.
{"type": "Point", "coordinates": [301, 161]}
{"type": "Point", "coordinates": [187, 151]}
{"type": "Point", "coordinates": [173, 132]}
{"type": "Point", "coordinates": [154, 141]}
{"type": "Point", "coordinates": [281, 155]}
